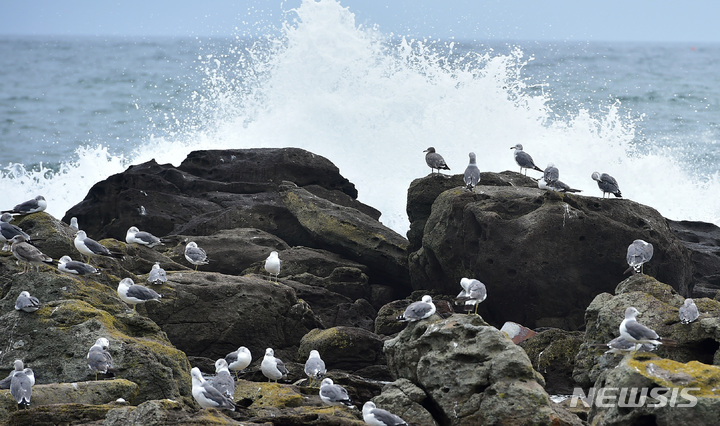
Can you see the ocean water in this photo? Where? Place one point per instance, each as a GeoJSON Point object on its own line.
{"type": "Point", "coordinates": [75, 110]}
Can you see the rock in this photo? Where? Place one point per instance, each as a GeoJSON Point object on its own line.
{"type": "Point", "coordinates": [406, 400]}
{"type": "Point", "coordinates": [471, 234]}
{"type": "Point", "coordinates": [658, 304]}
{"type": "Point", "coordinates": [471, 372]}
{"type": "Point", "coordinates": [60, 414]}
{"type": "Point", "coordinates": [703, 241]}
{"type": "Point", "coordinates": [552, 353]}
{"type": "Point", "coordinates": [345, 348]}
{"type": "Point", "coordinates": [95, 393]}
{"type": "Point", "coordinates": [210, 315]}
{"type": "Point", "coordinates": [689, 392]}
{"type": "Point", "coordinates": [167, 412]}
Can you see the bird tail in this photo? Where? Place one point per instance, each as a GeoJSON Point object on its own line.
{"type": "Point", "coordinates": [538, 169]}
{"type": "Point", "coordinates": [573, 190]}
{"type": "Point", "coordinates": [617, 194]}
{"type": "Point", "coordinates": [670, 343]}
{"type": "Point", "coordinates": [401, 318]}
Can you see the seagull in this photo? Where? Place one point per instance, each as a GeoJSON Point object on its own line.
{"type": "Point", "coordinates": [157, 275]}
{"type": "Point", "coordinates": [98, 358]}
{"type": "Point", "coordinates": [206, 395]}
{"type": "Point", "coordinates": [195, 254]}
{"type": "Point", "coordinates": [551, 173]}
{"type": "Point", "coordinates": [133, 294]}
{"type": "Point", "coordinates": [21, 387]}
{"type": "Point", "coordinates": [374, 416]}
{"type": "Point", "coordinates": [418, 310]}
{"type": "Point", "coordinates": [8, 231]}
{"type": "Point", "coordinates": [239, 359]}
{"type": "Point", "coordinates": [638, 253]}
{"type": "Point", "coordinates": [607, 184]}
{"type": "Point", "coordinates": [688, 311]}
{"type": "Point", "coordinates": [90, 247]}
{"type": "Point", "coordinates": [556, 185]}
{"type": "Point", "coordinates": [524, 160]}
{"type": "Point", "coordinates": [27, 303]}
{"type": "Point", "coordinates": [271, 367]}
{"type": "Point", "coordinates": [472, 173]}
{"type": "Point", "coordinates": [19, 366]}
{"type": "Point", "coordinates": [272, 265]}
{"type": "Point", "coordinates": [315, 366]}
{"type": "Point", "coordinates": [435, 160]}
{"type": "Point", "coordinates": [66, 264]}
{"type": "Point", "coordinates": [620, 346]}
{"type": "Point", "coordinates": [74, 224]}
{"type": "Point", "coordinates": [28, 254]}
{"type": "Point", "coordinates": [223, 381]}
{"type": "Point", "coordinates": [473, 293]}
{"type": "Point", "coordinates": [136, 236]}
{"type": "Point", "coordinates": [332, 394]}
{"type": "Point", "coordinates": [636, 333]}
{"type": "Point", "coordinates": [35, 205]}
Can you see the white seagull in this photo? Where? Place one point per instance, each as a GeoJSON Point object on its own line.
{"type": "Point", "coordinates": [418, 310]}
{"type": "Point", "coordinates": [332, 394]}
{"type": "Point", "coordinates": [471, 177]}
{"type": "Point", "coordinates": [524, 160]}
{"type": "Point", "coordinates": [638, 253]}
{"type": "Point", "coordinates": [157, 274]}
{"type": "Point", "coordinates": [27, 303]}
{"type": "Point", "coordinates": [473, 293]}
{"type": "Point", "coordinates": [136, 236]}
{"type": "Point", "coordinates": [271, 367]}
{"type": "Point", "coordinates": [99, 358]}
{"type": "Point", "coordinates": [607, 184]}
{"type": "Point", "coordinates": [636, 333]}
{"type": "Point", "coordinates": [223, 380]}
{"type": "Point", "coordinates": [21, 387]}
{"type": "Point", "coordinates": [67, 265]}
{"type": "Point", "coordinates": [374, 416]}
{"type": "Point", "coordinates": [35, 205]}
{"type": "Point", "coordinates": [314, 366]}
{"type": "Point", "coordinates": [688, 311]}
{"type": "Point", "coordinates": [133, 294]}
{"type": "Point", "coordinates": [239, 359]}
{"type": "Point", "coordinates": [272, 265]}
{"type": "Point", "coordinates": [90, 247]}
{"type": "Point", "coordinates": [206, 395]}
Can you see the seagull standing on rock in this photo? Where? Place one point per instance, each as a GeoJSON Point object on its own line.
{"type": "Point", "coordinates": [35, 205]}
{"type": "Point", "coordinates": [636, 333]}
{"type": "Point", "coordinates": [473, 293]}
{"type": "Point", "coordinates": [271, 367]}
{"type": "Point", "coordinates": [195, 254]}
{"type": "Point", "coordinates": [607, 184]}
{"type": "Point", "coordinates": [638, 253]}
{"type": "Point", "coordinates": [28, 254]}
{"type": "Point", "coordinates": [21, 387]}
{"type": "Point", "coordinates": [67, 265]}
{"type": "Point", "coordinates": [472, 173]}
{"type": "Point", "coordinates": [206, 395]}
{"type": "Point", "coordinates": [223, 380]}
{"type": "Point", "coordinates": [27, 303]}
{"type": "Point", "coordinates": [315, 366]}
{"type": "Point", "coordinates": [374, 416]}
{"type": "Point", "coordinates": [272, 265]}
{"type": "Point", "coordinates": [132, 293]}
{"type": "Point", "coordinates": [417, 311]}
{"type": "Point", "coordinates": [99, 358]}
{"type": "Point", "coordinates": [688, 311]}
{"type": "Point", "coordinates": [91, 248]}
{"type": "Point", "coordinates": [435, 160]}
{"type": "Point", "coordinates": [239, 359]}
{"type": "Point", "coordinates": [524, 160]}
{"type": "Point", "coordinates": [136, 236]}
{"type": "Point", "coordinates": [157, 274]}
{"type": "Point", "coordinates": [8, 231]}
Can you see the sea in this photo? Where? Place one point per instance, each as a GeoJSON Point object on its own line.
{"type": "Point", "coordinates": [75, 110]}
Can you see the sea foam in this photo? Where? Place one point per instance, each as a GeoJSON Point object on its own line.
{"type": "Point", "coordinates": [371, 102]}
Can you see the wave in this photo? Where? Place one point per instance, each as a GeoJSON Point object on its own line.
{"type": "Point", "coordinates": [371, 103]}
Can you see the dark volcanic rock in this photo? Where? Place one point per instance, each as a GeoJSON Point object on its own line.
{"type": "Point", "coordinates": [703, 241]}
{"type": "Point", "coordinates": [542, 255]}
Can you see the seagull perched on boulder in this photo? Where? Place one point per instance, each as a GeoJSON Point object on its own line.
{"type": "Point", "coordinates": [607, 184]}
{"type": "Point", "coordinates": [638, 253]}
{"type": "Point", "coordinates": [471, 177]}
{"type": "Point", "coordinates": [27, 303]}
{"type": "Point", "coordinates": [8, 231]}
{"type": "Point", "coordinates": [688, 311]}
{"type": "Point", "coordinates": [636, 333]}
{"type": "Point", "coordinates": [524, 160]}
{"type": "Point", "coordinates": [157, 274]}
{"type": "Point", "coordinates": [91, 248]}
{"type": "Point", "coordinates": [435, 160]}
{"type": "Point", "coordinates": [417, 311]}
{"type": "Point", "coordinates": [136, 236]}
{"type": "Point", "coordinates": [272, 265]}
{"type": "Point", "coordinates": [133, 294]}
{"type": "Point", "coordinates": [473, 293]}
{"type": "Point", "coordinates": [67, 265]}
{"type": "Point", "coordinates": [315, 366]}
{"type": "Point", "coordinates": [21, 387]}
{"type": "Point", "coordinates": [271, 367]}
{"type": "Point", "coordinates": [239, 359]}
{"type": "Point", "coordinates": [332, 394]}
{"type": "Point", "coordinates": [223, 380]}
{"type": "Point", "coordinates": [99, 358]}
{"type": "Point", "coordinates": [35, 205]}
{"type": "Point", "coordinates": [374, 416]}
{"type": "Point", "coordinates": [206, 395]}
{"type": "Point", "coordinates": [195, 254]}
{"type": "Point", "coordinates": [28, 254]}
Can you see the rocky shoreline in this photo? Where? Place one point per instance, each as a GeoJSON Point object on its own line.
{"type": "Point", "coordinates": [551, 261]}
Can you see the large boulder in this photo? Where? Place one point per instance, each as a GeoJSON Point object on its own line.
{"type": "Point", "coordinates": [543, 255]}
{"type": "Point", "coordinates": [472, 373]}
{"type": "Point", "coordinates": [658, 304]}
{"type": "Point", "coordinates": [703, 241]}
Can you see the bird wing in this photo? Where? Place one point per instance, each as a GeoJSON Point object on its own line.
{"type": "Point", "coordinates": [141, 292]}
{"type": "Point", "coordinates": [96, 247]}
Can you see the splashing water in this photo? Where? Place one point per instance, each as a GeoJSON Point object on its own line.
{"type": "Point", "coordinates": [371, 103]}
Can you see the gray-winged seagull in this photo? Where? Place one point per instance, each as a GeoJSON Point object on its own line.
{"type": "Point", "coordinates": [223, 380]}
{"type": "Point", "coordinates": [435, 160]}
{"type": "Point", "coordinates": [239, 359]}
{"type": "Point", "coordinates": [524, 160]}
{"type": "Point", "coordinates": [418, 310]}
{"type": "Point", "coordinates": [206, 395]}
{"type": "Point", "coordinates": [27, 303]}
{"type": "Point", "coordinates": [271, 367]}
{"type": "Point", "coordinates": [35, 205]}
{"type": "Point", "coordinates": [688, 311]}
{"type": "Point", "coordinates": [374, 416]}
{"type": "Point", "coordinates": [471, 177]}
{"type": "Point", "coordinates": [28, 254]}
{"type": "Point", "coordinates": [473, 293]}
{"type": "Point", "coordinates": [133, 294]}
{"type": "Point", "coordinates": [136, 236]}
{"type": "Point", "coordinates": [315, 366]}
{"type": "Point", "coordinates": [195, 254]}
{"type": "Point", "coordinates": [67, 265]}
{"type": "Point", "coordinates": [99, 358]}
{"type": "Point", "coordinates": [607, 184]}
{"type": "Point", "coordinates": [638, 253]}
